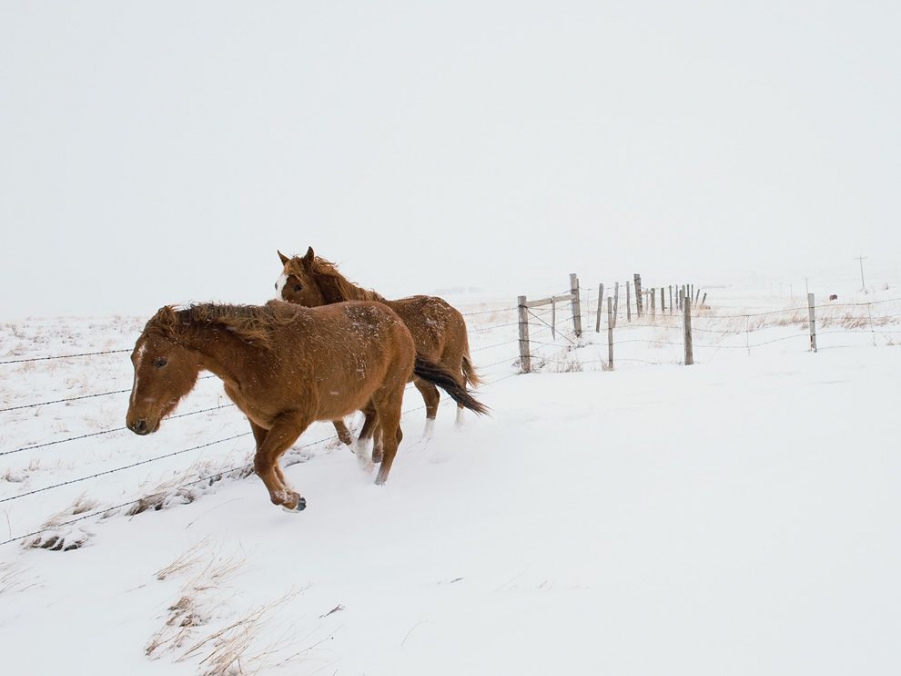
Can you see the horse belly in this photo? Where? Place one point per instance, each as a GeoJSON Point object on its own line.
{"type": "Point", "coordinates": [258, 416]}
{"type": "Point", "coordinates": [338, 399]}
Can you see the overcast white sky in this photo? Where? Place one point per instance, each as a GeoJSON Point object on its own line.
{"type": "Point", "coordinates": [159, 152]}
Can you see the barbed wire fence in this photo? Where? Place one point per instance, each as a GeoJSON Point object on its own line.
{"type": "Point", "coordinates": [157, 500]}
{"type": "Point", "coordinates": [674, 324]}
{"type": "Point", "coordinates": [670, 324]}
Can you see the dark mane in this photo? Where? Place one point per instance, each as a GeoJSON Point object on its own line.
{"type": "Point", "coordinates": [252, 323]}
{"type": "Point", "coordinates": [334, 286]}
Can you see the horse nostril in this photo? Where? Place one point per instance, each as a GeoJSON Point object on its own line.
{"type": "Point", "coordinates": [139, 426]}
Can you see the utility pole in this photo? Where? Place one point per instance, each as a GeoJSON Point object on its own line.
{"type": "Point", "coordinates": [863, 286]}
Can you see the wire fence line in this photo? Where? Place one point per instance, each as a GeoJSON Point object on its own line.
{"type": "Point", "coordinates": [243, 469]}
{"type": "Point", "coordinates": [558, 348]}
{"type": "Point", "coordinates": [78, 398]}
{"type": "Point", "coordinates": [634, 320]}
{"type": "Point", "coordinates": [109, 431]}
{"type": "Point", "coordinates": [63, 356]}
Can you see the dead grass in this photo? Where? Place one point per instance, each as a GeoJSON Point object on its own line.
{"type": "Point", "coordinates": [205, 599]}
{"type": "Point", "coordinates": [60, 537]}
{"type": "Point", "coordinates": [202, 596]}
{"type": "Point", "coordinates": [186, 487]}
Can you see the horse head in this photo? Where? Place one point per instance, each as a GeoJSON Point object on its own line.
{"type": "Point", "coordinates": [164, 373]}
{"type": "Point", "coordinates": [297, 283]}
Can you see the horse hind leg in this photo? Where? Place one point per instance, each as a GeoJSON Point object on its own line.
{"type": "Point", "coordinates": [367, 432]}
{"type": "Point", "coordinates": [432, 398]}
{"type": "Point", "coordinates": [391, 434]}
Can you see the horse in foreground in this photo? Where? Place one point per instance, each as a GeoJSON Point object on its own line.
{"type": "Point", "coordinates": [438, 329]}
{"type": "Point", "coordinates": [284, 366]}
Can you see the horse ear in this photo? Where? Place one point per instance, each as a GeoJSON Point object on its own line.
{"type": "Point", "coordinates": [284, 258]}
{"type": "Point", "coordinates": [308, 259]}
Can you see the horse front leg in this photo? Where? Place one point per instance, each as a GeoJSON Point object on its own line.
{"type": "Point", "coordinates": [344, 434]}
{"type": "Point", "coordinates": [271, 445]}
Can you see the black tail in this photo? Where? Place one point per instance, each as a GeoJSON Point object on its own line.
{"type": "Point", "coordinates": [436, 374]}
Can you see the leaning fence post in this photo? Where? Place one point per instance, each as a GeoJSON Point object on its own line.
{"type": "Point", "coordinates": [639, 309]}
{"type": "Point", "coordinates": [597, 328]}
{"type": "Point", "coordinates": [689, 348]}
{"type": "Point", "coordinates": [577, 305]}
{"type": "Point", "coordinates": [628, 302]}
{"type": "Point", "coordinates": [610, 333]}
{"type": "Point", "coordinates": [615, 302]}
{"type": "Point", "coordinates": [813, 322]}
{"type": "Point", "coordinates": [525, 360]}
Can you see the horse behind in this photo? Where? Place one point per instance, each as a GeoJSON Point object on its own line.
{"type": "Point", "coordinates": [438, 328]}
{"type": "Point", "coordinates": [284, 366]}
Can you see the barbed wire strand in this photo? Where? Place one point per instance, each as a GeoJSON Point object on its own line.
{"type": "Point", "coordinates": [78, 398]}
{"type": "Point", "coordinates": [110, 431]}
{"type": "Point", "coordinates": [64, 356]}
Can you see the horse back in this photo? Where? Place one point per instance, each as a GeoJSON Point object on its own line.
{"type": "Point", "coordinates": [340, 354]}
{"type": "Point", "coordinates": [437, 327]}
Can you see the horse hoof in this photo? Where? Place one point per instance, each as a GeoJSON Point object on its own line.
{"type": "Point", "coordinates": [301, 505]}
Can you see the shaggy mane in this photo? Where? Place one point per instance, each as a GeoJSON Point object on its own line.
{"type": "Point", "coordinates": [252, 323]}
{"type": "Point", "coordinates": [333, 286]}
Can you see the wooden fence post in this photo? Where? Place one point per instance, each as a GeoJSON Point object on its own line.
{"type": "Point", "coordinates": [615, 302]}
{"type": "Point", "coordinates": [653, 298]}
{"type": "Point", "coordinates": [553, 319]}
{"type": "Point", "coordinates": [662, 302]}
{"type": "Point", "coordinates": [813, 321]}
{"type": "Point", "coordinates": [525, 359]}
{"type": "Point", "coordinates": [597, 328]}
{"type": "Point", "coordinates": [610, 323]}
{"type": "Point", "coordinates": [577, 305]}
{"type": "Point", "coordinates": [638, 299]}
{"type": "Point", "coordinates": [671, 299]}
{"type": "Point", "coordinates": [628, 302]}
{"type": "Point", "coordinates": [689, 348]}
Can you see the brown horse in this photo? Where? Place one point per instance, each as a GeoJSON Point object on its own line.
{"type": "Point", "coordinates": [284, 366]}
{"type": "Point", "coordinates": [438, 329]}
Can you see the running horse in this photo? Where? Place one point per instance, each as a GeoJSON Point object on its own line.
{"type": "Point", "coordinates": [438, 329]}
{"type": "Point", "coordinates": [284, 366]}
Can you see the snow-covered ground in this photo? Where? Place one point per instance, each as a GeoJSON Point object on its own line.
{"type": "Point", "coordinates": [739, 516]}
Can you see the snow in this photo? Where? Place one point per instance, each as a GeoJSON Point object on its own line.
{"type": "Point", "coordinates": [739, 516]}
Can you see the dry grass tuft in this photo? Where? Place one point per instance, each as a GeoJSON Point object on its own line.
{"type": "Point", "coordinates": [231, 650]}
{"type": "Point", "coordinates": [185, 488]}
{"type": "Point", "coordinates": [63, 538]}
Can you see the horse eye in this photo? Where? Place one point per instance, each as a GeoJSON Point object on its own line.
{"type": "Point", "coordinates": [160, 362]}
{"type": "Point", "coordinates": [297, 288]}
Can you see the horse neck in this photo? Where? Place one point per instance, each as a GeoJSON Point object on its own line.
{"type": "Point", "coordinates": [221, 352]}
{"type": "Point", "coordinates": [337, 289]}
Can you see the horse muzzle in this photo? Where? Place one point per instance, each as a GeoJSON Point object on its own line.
{"type": "Point", "coordinates": [142, 427]}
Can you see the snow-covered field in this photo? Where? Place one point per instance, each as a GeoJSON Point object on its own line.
{"type": "Point", "coordinates": [739, 516]}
